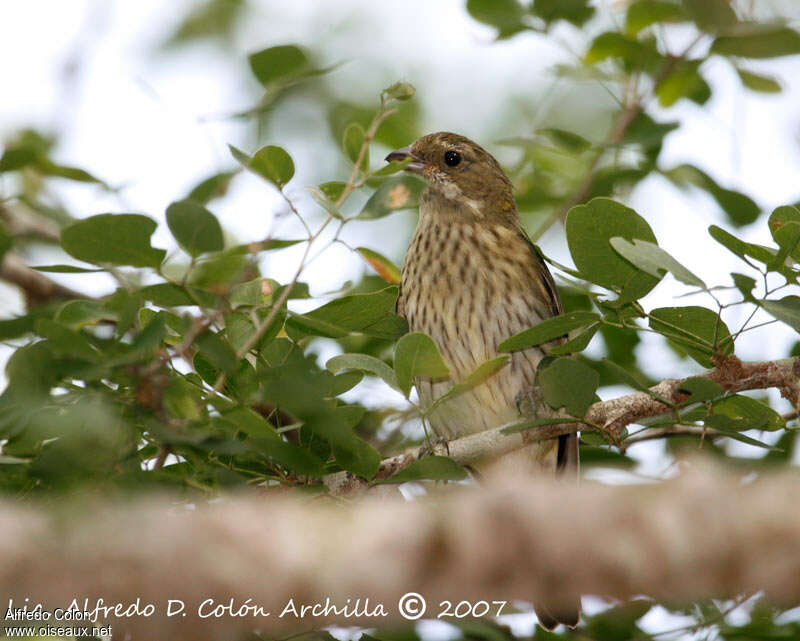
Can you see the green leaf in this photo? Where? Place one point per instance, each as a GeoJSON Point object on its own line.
{"type": "Point", "coordinates": [731, 428]}
{"type": "Point", "coordinates": [758, 82]}
{"type": "Point", "coordinates": [116, 239]}
{"type": "Point", "coordinates": [577, 343]}
{"type": "Point", "coordinates": [324, 202]}
{"type": "Point", "coordinates": [417, 355]}
{"type": "Point", "coordinates": [76, 314]}
{"type": "Point", "coordinates": [399, 91]}
{"type": "Point", "coordinates": [745, 285]}
{"type": "Point", "coordinates": [371, 314]}
{"type": "Point", "coordinates": [751, 413]}
{"type": "Point", "coordinates": [575, 11]}
{"type": "Point", "coordinates": [363, 363]}
{"type": "Point", "coordinates": [351, 452]}
{"type": "Point", "coordinates": [65, 269]}
{"type": "Point", "coordinates": [695, 329]}
{"type": "Point", "coordinates": [548, 330]}
{"type": "Point", "coordinates": [352, 141]}
{"type": "Point", "coordinates": [711, 15]}
{"type": "Point", "coordinates": [589, 229]}
{"type": "Point", "coordinates": [766, 42]}
{"type": "Point", "coordinates": [394, 194]}
{"type": "Point", "coordinates": [270, 162]}
{"type": "Point", "coordinates": [613, 44]}
{"type": "Point", "coordinates": [779, 220]}
{"type": "Point", "coordinates": [212, 19]}
{"type": "Point", "coordinates": [212, 187]}
{"type": "Point", "coordinates": [478, 376]}
{"type": "Point", "coordinates": [278, 63]}
{"type": "Point", "coordinates": [252, 293]}
{"type": "Point", "coordinates": [787, 310]}
{"type": "Point", "coordinates": [430, 468]}
{"type": "Point", "coordinates": [333, 190]}
{"type": "Point", "coordinates": [217, 351]}
{"type": "Point", "coordinates": [569, 384]}
{"type": "Point", "coordinates": [274, 164]}
{"type": "Point", "coordinates": [504, 15]}
{"type": "Point", "coordinates": [345, 382]}
{"type": "Point", "coordinates": [701, 389]}
{"type": "Point", "coordinates": [788, 238]}
{"type": "Point", "coordinates": [529, 423]}
{"type": "Point", "coordinates": [566, 139]}
{"type": "Point", "coordinates": [66, 342]}
{"type": "Point", "coordinates": [740, 208]}
{"type": "Point", "coordinates": [195, 228]}
{"type": "Point", "coordinates": [619, 622]}
{"type": "Point", "coordinates": [385, 268]}
{"type": "Point", "coordinates": [643, 13]}
{"type": "Point", "coordinates": [16, 327]}
{"type": "Point", "coordinates": [684, 81]}
{"type": "Point", "coordinates": [739, 247]}
{"type": "Point", "coordinates": [172, 295]}
{"type": "Point", "coordinates": [278, 243]}
{"type": "Point", "coordinates": [49, 168]}
{"type": "Point", "coordinates": [655, 261]}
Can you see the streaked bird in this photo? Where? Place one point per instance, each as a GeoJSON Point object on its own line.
{"type": "Point", "coordinates": [471, 278]}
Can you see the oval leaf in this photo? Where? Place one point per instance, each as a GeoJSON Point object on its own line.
{"type": "Point", "coordinates": [697, 330]}
{"type": "Point", "coordinates": [589, 229]}
{"type": "Point", "coordinates": [274, 164]}
{"type": "Point", "coordinates": [385, 268]}
{"type": "Point", "coordinates": [352, 141]}
{"type": "Point", "coordinates": [548, 330]}
{"type": "Point", "coordinates": [392, 195]}
{"type": "Point", "coordinates": [275, 63]}
{"type": "Point", "coordinates": [569, 384]}
{"type": "Point", "coordinates": [116, 239]}
{"type": "Point", "coordinates": [431, 468]}
{"type": "Point", "coordinates": [655, 261]}
{"type": "Point", "coordinates": [363, 363]}
{"type": "Point", "coordinates": [195, 228]}
{"type": "Point", "coordinates": [417, 355]}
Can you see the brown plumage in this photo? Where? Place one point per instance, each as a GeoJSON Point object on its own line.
{"type": "Point", "coordinates": [471, 278]}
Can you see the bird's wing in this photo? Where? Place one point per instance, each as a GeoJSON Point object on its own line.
{"type": "Point", "coordinates": [552, 299]}
{"type": "Point", "coordinates": [567, 461]}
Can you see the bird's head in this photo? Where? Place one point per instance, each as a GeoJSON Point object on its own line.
{"type": "Point", "coordinates": [461, 175]}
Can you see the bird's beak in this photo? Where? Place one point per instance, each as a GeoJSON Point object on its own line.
{"type": "Point", "coordinates": [399, 155]}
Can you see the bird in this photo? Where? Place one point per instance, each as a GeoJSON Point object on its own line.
{"type": "Point", "coordinates": [471, 278]}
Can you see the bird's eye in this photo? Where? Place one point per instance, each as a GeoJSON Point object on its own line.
{"type": "Point", "coordinates": [452, 158]}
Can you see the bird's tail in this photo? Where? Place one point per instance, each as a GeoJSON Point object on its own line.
{"type": "Point", "coordinates": [567, 466]}
{"type": "Point", "coordinates": [550, 617]}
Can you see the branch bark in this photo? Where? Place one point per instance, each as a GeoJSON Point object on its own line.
{"type": "Point", "coordinates": [731, 374]}
{"type": "Point", "coordinates": [36, 287]}
{"type": "Point", "coordinates": [702, 535]}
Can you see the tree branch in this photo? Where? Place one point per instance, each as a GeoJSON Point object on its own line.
{"type": "Point", "coordinates": [702, 535]}
{"type": "Point", "coordinates": [36, 287]}
{"type": "Point", "coordinates": [731, 374]}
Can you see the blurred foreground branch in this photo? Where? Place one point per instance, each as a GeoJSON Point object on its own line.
{"type": "Point", "coordinates": [702, 535]}
{"type": "Point", "coordinates": [607, 417]}
{"type": "Point", "coordinates": [36, 287]}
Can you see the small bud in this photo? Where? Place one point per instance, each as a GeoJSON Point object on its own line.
{"type": "Point", "coordinates": [399, 91]}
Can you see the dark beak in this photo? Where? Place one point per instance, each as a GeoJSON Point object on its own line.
{"type": "Point", "coordinates": [399, 155]}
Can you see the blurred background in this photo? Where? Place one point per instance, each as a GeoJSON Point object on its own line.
{"type": "Point", "coordinates": [147, 96]}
